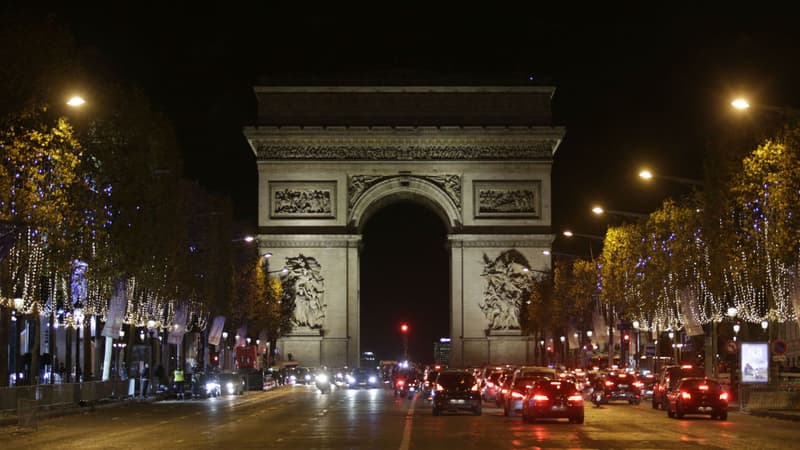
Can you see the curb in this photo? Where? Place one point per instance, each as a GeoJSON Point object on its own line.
{"type": "Point", "coordinates": [792, 415]}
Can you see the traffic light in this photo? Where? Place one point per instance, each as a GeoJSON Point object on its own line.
{"type": "Point", "coordinates": [215, 359]}
{"type": "Point", "coordinates": [404, 328]}
{"type": "Point", "coordinates": [549, 348]}
{"type": "Point", "coordinates": [627, 337]}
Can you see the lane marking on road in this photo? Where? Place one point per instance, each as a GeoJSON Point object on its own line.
{"type": "Point", "coordinates": [405, 443]}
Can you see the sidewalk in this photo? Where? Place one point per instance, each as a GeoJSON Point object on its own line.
{"type": "Point", "coordinates": [8, 418]}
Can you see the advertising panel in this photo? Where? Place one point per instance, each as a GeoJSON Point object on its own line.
{"type": "Point", "coordinates": [755, 362]}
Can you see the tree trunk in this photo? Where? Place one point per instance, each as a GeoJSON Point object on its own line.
{"type": "Point", "coordinates": [37, 342]}
{"type": "Point", "coordinates": [88, 360]}
{"type": "Point", "coordinates": [67, 353]}
{"type": "Point", "coordinates": [5, 330]}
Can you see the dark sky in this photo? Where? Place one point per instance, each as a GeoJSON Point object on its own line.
{"type": "Point", "coordinates": [633, 87]}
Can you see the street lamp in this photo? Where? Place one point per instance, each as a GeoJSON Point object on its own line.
{"type": "Point", "coordinates": [648, 175]}
{"type": "Point", "coordinates": [563, 340]}
{"type": "Point", "coordinates": [404, 330]}
{"type": "Point", "coordinates": [76, 101]}
{"type": "Point", "coordinates": [599, 210]}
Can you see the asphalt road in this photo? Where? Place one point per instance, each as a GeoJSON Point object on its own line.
{"type": "Point", "coordinates": [301, 418]}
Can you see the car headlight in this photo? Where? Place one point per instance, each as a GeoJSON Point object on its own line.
{"type": "Point", "coordinates": [229, 386]}
{"type": "Point", "coordinates": [308, 377]}
{"type": "Point", "coordinates": [373, 380]}
{"type": "Point", "coordinates": [350, 379]}
{"type": "Point", "coordinates": [292, 378]}
{"type": "Point", "coordinates": [322, 378]}
{"type": "Point", "coordinates": [211, 387]}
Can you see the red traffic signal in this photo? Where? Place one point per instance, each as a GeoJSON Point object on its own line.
{"type": "Point", "coordinates": [404, 328]}
{"type": "Point", "coordinates": [549, 348]}
{"type": "Point", "coordinates": [627, 337]}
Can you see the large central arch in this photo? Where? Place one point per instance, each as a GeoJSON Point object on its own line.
{"type": "Point", "coordinates": [480, 157]}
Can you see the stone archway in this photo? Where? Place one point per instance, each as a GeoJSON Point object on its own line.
{"type": "Point", "coordinates": [329, 157]}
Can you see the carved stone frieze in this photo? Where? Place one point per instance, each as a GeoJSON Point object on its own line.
{"type": "Point", "coordinates": [358, 184]}
{"type": "Point", "coordinates": [535, 151]}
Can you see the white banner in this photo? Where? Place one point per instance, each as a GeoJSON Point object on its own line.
{"type": "Point", "coordinates": [116, 310]}
{"type": "Point", "coordinates": [215, 333]}
{"type": "Point", "coordinates": [242, 333]}
{"type": "Point", "coordinates": [691, 325]}
{"type": "Point", "coordinates": [178, 329]}
{"type": "Point", "coordinates": [600, 329]}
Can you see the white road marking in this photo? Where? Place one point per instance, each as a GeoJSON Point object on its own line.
{"type": "Point", "coordinates": [406, 442]}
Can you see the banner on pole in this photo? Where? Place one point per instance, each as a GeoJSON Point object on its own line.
{"type": "Point", "coordinates": [116, 310]}
{"type": "Point", "coordinates": [215, 333]}
{"type": "Point", "coordinates": [178, 329]}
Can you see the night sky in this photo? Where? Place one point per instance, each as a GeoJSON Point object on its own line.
{"type": "Point", "coordinates": [633, 87]}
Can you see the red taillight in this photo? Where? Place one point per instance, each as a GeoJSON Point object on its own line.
{"type": "Point", "coordinates": [685, 395]}
{"type": "Point", "coordinates": [540, 398]}
{"type": "Point", "coordinates": [575, 398]}
{"type": "Point", "coordinates": [723, 396]}
{"type": "Point", "coordinates": [476, 388]}
{"type": "Point", "coordinates": [400, 382]}
{"type": "Point", "coordinates": [439, 388]}
{"type": "Point", "coordinates": [516, 394]}
{"type": "Point", "coordinates": [638, 384]}
{"type": "Point", "coordinates": [489, 384]}
{"type": "Point", "coordinates": [504, 391]}
{"type": "Point", "coordinates": [703, 387]}
{"type": "Point", "coordinates": [609, 383]}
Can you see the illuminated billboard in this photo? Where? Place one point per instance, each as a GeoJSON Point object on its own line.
{"type": "Point", "coordinates": [755, 362]}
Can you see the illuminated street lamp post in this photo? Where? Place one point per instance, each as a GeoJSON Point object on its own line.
{"type": "Point", "coordinates": [563, 350]}
{"type": "Point", "coordinates": [404, 331]}
{"type": "Point", "coordinates": [599, 210]}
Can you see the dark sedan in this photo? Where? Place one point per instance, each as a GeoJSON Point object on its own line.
{"type": "Point", "coordinates": [456, 390]}
{"type": "Point", "coordinates": [363, 378]}
{"type": "Point", "coordinates": [617, 386]}
{"type": "Point", "coordinates": [553, 399]}
{"type": "Point", "coordinates": [697, 395]}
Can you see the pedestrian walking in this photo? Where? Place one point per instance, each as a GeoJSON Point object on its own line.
{"type": "Point", "coordinates": [145, 380]}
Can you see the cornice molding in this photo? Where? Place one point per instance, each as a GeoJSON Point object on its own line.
{"type": "Point", "coordinates": [308, 240]}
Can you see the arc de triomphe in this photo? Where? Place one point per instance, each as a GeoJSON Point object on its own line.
{"type": "Point", "coordinates": [480, 157]}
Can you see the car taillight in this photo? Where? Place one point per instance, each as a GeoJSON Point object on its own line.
{"type": "Point", "coordinates": [638, 384]}
{"type": "Point", "coordinates": [703, 387]}
{"type": "Point", "coordinates": [609, 383]}
{"type": "Point", "coordinates": [723, 396]}
{"type": "Point", "coordinates": [540, 398]}
{"type": "Point", "coordinates": [577, 398]}
{"type": "Point", "coordinates": [504, 391]}
{"type": "Point", "coordinates": [400, 382]}
{"type": "Point", "coordinates": [489, 384]}
{"type": "Point", "coordinates": [439, 388]}
{"type": "Point", "coordinates": [516, 394]}
{"type": "Point", "coordinates": [476, 388]}
{"type": "Point", "coordinates": [685, 395]}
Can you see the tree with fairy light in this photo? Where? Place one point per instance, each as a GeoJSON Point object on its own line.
{"type": "Point", "coordinates": [766, 220]}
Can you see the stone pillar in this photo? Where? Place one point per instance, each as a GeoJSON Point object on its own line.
{"type": "Point", "coordinates": [353, 304]}
{"type": "Point", "coordinates": [456, 300]}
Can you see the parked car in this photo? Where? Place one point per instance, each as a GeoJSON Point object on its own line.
{"type": "Point", "coordinates": [668, 379]}
{"type": "Point", "coordinates": [553, 399]}
{"type": "Point", "coordinates": [617, 386]}
{"type": "Point", "coordinates": [456, 390]}
{"type": "Point", "coordinates": [697, 395]}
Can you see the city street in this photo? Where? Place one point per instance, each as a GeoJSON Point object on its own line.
{"type": "Point", "coordinates": [301, 418]}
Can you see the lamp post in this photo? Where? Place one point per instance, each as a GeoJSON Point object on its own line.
{"type": "Point", "coordinates": [563, 350]}
{"type": "Point", "coordinates": [637, 329]}
{"type": "Point", "coordinates": [671, 335]}
{"type": "Point", "coordinates": [224, 350]}
{"type": "Point", "coordinates": [591, 345]}
{"type": "Point", "coordinates": [648, 175]}
{"type": "Point", "coordinates": [599, 210]}
{"type": "Point", "coordinates": [404, 331]}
